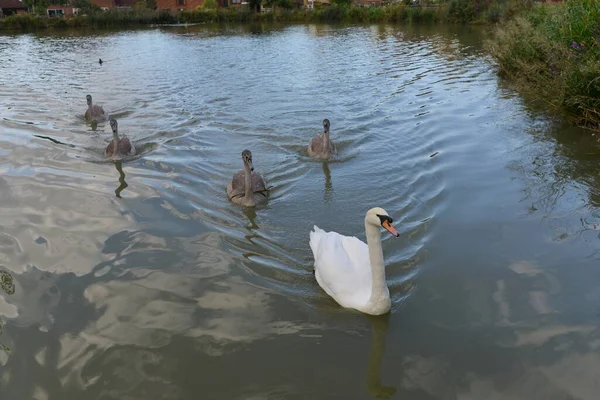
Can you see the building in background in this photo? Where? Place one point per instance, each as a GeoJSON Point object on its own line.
{"type": "Point", "coordinates": [11, 7]}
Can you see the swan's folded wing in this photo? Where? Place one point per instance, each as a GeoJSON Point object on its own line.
{"type": "Point", "coordinates": [358, 251]}
{"type": "Point", "coordinates": [314, 238]}
{"type": "Point", "coordinates": [258, 183]}
{"type": "Point", "coordinates": [343, 274]}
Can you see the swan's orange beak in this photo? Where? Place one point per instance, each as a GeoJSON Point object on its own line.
{"type": "Point", "coordinates": [388, 227]}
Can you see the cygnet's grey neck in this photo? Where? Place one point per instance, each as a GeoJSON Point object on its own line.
{"type": "Point", "coordinates": [248, 193]}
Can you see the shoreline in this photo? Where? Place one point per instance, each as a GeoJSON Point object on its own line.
{"type": "Point", "coordinates": [453, 12]}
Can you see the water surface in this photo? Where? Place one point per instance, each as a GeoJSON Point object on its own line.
{"type": "Point", "coordinates": [139, 280]}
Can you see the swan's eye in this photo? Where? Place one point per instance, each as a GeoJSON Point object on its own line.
{"type": "Point", "coordinates": [385, 218]}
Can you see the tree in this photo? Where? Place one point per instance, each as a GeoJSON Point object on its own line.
{"type": "Point", "coordinates": [342, 2]}
{"type": "Point", "coordinates": [86, 7]}
{"type": "Point", "coordinates": [255, 5]}
{"type": "Point", "coordinates": [280, 3]}
{"type": "Point", "coordinates": [38, 6]}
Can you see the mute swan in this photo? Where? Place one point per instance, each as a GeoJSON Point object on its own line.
{"type": "Point", "coordinates": [351, 271]}
{"type": "Point", "coordinates": [118, 146]}
{"type": "Point", "coordinates": [94, 112]}
{"type": "Point", "coordinates": [321, 146]}
{"type": "Point", "coordinates": [247, 187]}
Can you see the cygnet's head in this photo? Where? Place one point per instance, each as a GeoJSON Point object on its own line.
{"type": "Point", "coordinates": [114, 126]}
{"type": "Point", "coordinates": [89, 99]}
{"type": "Point", "coordinates": [247, 158]}
{"type": "Point", "coordinates": [326, 125]}
{"type": "Point", "coordinates": [379, 217]}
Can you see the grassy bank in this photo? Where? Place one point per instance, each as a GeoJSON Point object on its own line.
{"type": "Point", "coordinates": [554, 50]}
{"type": "Point", "coordinates": [8, 286]}
{"type": "Point", "coordinates": [451, 11]}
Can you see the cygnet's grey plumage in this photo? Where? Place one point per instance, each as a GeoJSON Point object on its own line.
{"type": "Point", "coordinates": [238, 193]}
{"type": "Point", "coordinates": [94, 112]}
{"type": "Point", "coordinates": [119, 146]}
{"type": "Point", "coordinates": [321, 145]}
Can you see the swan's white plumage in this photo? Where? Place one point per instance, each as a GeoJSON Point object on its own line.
{"type": "Point", "coordinates": [342, 267]}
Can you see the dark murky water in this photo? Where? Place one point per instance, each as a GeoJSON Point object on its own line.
{"type": "Point", "coordinates": [139, 280]}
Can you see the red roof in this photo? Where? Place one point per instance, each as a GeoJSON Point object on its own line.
{"type": "Point", "coordinates": [12, 4]}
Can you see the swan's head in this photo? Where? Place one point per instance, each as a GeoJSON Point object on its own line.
{"type": "Point", "coordinates": [247, 158]}
{"type": "Point", "coordinates": [379, 217]}
{"type": "Point", "coordinates": [89, 99]}
{"type": "Point", "coordinates": [113, 125]}
{"type": "Point", "coordinates": [326, 125]}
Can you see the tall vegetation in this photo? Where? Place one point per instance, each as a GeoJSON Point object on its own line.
{"type": "Point", "coordinates": [342, 2]}
{"type": "Point", "coordinates": [110, 18]}
{"type": "Point", "coordinates": [554, 50]}
{"type": "Point", "coordinates": [456, 11]}
{"type": "Point", "coordinates": [285, 4]}
{"type": "Point", "coordinates": [8, 286]}
{"type": "Point", "coordinates": [86, 7]}
{"type": "Point", "coordinates": [209, 4]}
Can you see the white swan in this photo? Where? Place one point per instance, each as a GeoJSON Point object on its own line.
{"type": "Point", "coordinates": [351, 271]}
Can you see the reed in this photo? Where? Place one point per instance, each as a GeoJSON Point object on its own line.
{"type": "Point", "coordinates": [8, 286]}
{"type": "Point", "coordinates": [553, 50]}
{"type": "Point", "coordinates": [110, 18]}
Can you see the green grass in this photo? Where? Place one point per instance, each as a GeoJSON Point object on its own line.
{"type": "Point", "coordinates": [554, 50]}
{"type": "Point", "coordinates": [8, 286]}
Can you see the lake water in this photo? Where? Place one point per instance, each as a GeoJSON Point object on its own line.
{"type": "Point", "coordinates": [139, 280]}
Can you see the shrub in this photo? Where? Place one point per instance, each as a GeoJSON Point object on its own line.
{"type": "Point", "coordinates": [460, 11]}
{"type": "Point", "coordinates": [553, 50]}
{"type": "Point", "coordinates": [210, 4]}
{"type": "Point", "coordinates": [335, 13]}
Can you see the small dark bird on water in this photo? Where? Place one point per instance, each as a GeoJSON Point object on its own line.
{"type": "Point", "coordinates": [100, 61]}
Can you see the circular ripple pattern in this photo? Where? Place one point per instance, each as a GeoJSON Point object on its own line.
{"type": "Point", "coordinates": [139, 280]}
{"type": "Point", "coordinates": [192, 102]}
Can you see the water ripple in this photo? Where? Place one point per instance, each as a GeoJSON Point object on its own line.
{"type": "Point", "coordinates": [155, 248]}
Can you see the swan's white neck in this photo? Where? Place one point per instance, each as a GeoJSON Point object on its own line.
{"type": "Point", "coordinates": [379, 290]}
{"type": "Point", "coordinates": [116, 134]}
{"type": "Point", "coordinates": [249, 194]}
